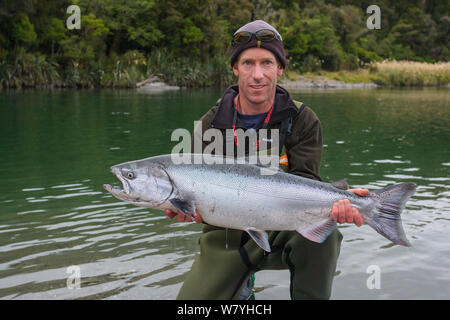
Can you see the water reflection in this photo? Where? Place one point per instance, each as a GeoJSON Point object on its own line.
{"type": "Point", "coordinates": [101, 238]}
{"type": "Point", "coordinates": [56, 148]}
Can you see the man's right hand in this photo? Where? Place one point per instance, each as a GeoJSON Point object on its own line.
{"type": "Point", "coordinates": [182, 217]}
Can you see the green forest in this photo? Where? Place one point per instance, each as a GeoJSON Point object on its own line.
{"type": "Point", "coordinates": [187, 43]}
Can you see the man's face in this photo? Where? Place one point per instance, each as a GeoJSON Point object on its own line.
{"type": "Point", "coordinates": [257, 70]}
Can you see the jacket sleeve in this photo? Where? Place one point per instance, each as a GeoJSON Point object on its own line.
{"type": "Point", "coordinates": [304, 148]}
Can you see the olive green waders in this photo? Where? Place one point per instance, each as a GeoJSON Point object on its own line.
{"type": "Point", "coordinates": [228, 258]}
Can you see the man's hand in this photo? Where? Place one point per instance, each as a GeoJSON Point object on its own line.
{"type": "Point", "coordinates": [343, 212]}
{"type": "Point", "coordinates": [181, 217]}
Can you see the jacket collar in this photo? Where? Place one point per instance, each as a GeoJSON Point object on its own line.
{"type": "Point", "coordinates": [284, 107]}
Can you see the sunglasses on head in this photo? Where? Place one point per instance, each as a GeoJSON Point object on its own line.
{"type": "Point", "coordinates": [264, 35]}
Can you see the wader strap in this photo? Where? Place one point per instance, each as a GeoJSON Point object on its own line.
{"type": "Point", "coordinates": [240, 282]}
{"type": "Point", "coordinates": [246, 260]}
{"type": "Point", "coordinates": [244, 238]}
{"type": "Point", "coordinates": [244, 255]}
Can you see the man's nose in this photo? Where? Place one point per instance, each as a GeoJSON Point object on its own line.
{"type": "Point", "coordinates": [258, 72]}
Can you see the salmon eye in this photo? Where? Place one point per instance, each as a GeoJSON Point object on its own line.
{"type": "Point", "coordinates": [129, 175]}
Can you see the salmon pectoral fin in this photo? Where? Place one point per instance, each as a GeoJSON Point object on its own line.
{"type": "Point", "coordinates": [260, 237]}
{"type": "Point", "coordinates": [186, 207]}
{"type": "Point", "coordinates": [319, 232]}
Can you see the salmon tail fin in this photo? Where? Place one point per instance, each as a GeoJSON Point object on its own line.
{"type": "Point", "coordinates": [386, 219]}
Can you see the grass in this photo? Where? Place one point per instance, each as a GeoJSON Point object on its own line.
{"type": "Point", "coordinates": [361, 75]}
{"type": "Point", "coordinates": [389, 73]}
{"type": "Point", "coordinates": [410, 73]}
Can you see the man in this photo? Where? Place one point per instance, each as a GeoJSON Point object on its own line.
{"type": "Point", "coordinates": [228, 258]}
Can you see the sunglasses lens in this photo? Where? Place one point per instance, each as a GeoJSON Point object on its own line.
{"type": "Point", "coordinates": [242, 37]}
{"type": "Point", "coordinates": [265, 35]}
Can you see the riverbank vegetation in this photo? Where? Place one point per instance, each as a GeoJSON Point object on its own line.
{"type": "Point", "coordinates": [410, 73]}
{"type": "Point", "coordinates": [386, 73]}
{"type": "Point", "coordinates": [187, 43]}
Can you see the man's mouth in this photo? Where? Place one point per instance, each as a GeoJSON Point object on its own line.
{"type": "Point", "coordinates": [256, 87]}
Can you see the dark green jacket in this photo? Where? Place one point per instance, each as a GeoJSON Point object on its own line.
{"type": "Point", "coordinates": [304, 144]}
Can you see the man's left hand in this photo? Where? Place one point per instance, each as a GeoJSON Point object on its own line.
{"type": "Point", "coordinates": [343, 212]}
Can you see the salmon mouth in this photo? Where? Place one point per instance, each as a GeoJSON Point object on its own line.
{"type": "Point", "coordinates": [121, 192]}
{"type": "Point", "coordinates": [111, 188]}
{"type": "Point", "coordinates": [124, 192]}
{"type": "Point", "coordinates": [117, 192]}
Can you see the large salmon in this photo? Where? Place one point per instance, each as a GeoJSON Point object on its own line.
{"type": "Point", "coordinates": [238, 196]}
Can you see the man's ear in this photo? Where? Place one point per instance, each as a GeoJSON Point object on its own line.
{"type": "Point", "coordinates": [235, 69]}
{"type": "Point", "coordinates": [280, 70]}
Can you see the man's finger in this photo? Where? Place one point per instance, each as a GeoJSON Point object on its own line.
{"type": "Point", "coordinates": [341, 210]}
{"type": "Point", "coordinates": [198, 218]}
{"type": "Point", "coordinates": [357, 217]}
{"type": "Point", "coordinates": [348, 212]}
{"type": "Point", "coordinates": [189, 217]}
{"type": "Point", "coordinates": [181, 217]}
{"type": "Point", "coordinates": [170, 214]}
{"type": "Point", "coordinates": [359, 192]}
{"type": "Point", "coordinates": [335, 211]}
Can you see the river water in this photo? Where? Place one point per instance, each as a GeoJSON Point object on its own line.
{"type": "Point", "coordinates": [57, 224]}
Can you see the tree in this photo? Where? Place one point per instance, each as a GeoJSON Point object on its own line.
{"type": "Point", "coordinates": [55, 33]}
{"type": "Point", "coordinates": [192, 36]}
{"type": "Point", "coordinates": [23, 31]}
{"type": "Point", "coordinates": [415, 33]}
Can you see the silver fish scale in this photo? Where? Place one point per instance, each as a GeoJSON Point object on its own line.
{"type": "Point", "coordinates": [238, 196]}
